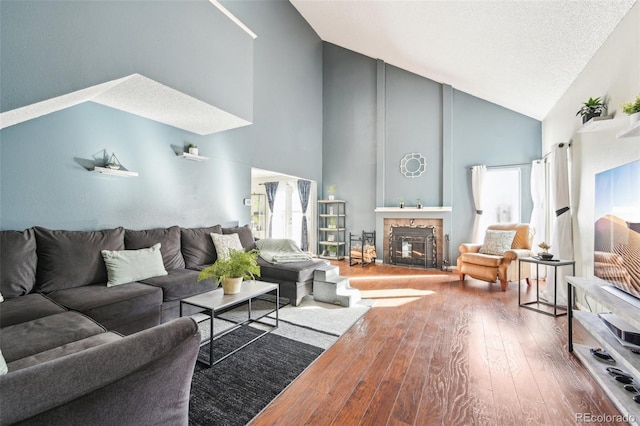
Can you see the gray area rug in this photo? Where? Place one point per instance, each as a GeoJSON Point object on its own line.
{"type": "Point", "coordinates": [235, 390]}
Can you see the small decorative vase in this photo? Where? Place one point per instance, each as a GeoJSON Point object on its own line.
{"type": "Point", "coordinates": [402, 204]}
{"type": "Point", "coordinates": [193, 151]}
{"type": "Point", "coordinates": [331, 197]}
{"type": "Point", "coordinates": [633, 118]}
{"type": "Point", "coordinates": [231, 285]}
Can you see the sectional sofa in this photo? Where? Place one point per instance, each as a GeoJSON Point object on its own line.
{"type": "Point", "coordinates": [64, 300]}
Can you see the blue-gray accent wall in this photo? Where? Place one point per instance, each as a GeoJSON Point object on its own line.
{"type": "Point", "coordinates": [376, 113]}
{"type": "Point", "coordinates": [276, 80]}
{"type": "Point", "coordinates": [319, 112]}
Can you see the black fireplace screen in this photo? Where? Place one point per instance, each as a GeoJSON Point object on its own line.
{"type": "Point", "coordinates": [415, 246]}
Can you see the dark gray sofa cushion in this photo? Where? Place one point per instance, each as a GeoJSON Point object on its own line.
{"type": "Point", "coordinates": [180, 283]}
{"type": "Point", "coordinates": [292, 271]}
{"type": "Point", "coordinates": [169, 238]}
{"type": "Point", "coordinates": [111, 305]}
{"type": "Point", "coordinates": [28, 338]}
{"type": "Point", "coordinates": [244, 233]}
{"type": "Point", "coordinates": [64, 350]}
{"type": "Point", "coordinates": [197, 246]}
{"type": "Point", "coordinates": [18, 261]}
{"type": "Point", "coordinates": [27, 308]}
{"type": "Point", "coordinates": [142, 379]}
{"type": "Point", "coordinates": [68, 259]}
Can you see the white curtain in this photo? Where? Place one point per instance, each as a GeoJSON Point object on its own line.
{"type": "Point", "coordinates": [478, 174]}
{"type": "Point", "coordinates": [561, 234]}
{"type": "Point", "coordinates": [538, 211]}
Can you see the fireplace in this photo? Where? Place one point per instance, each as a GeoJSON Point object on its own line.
{"type": "Point", "coordinates": [413, 246]}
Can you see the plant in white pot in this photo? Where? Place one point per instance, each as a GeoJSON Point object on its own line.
{"type": "Point", "coordinates": [632, 109]}
{"type": "Point", "coordinates": [230, 271]}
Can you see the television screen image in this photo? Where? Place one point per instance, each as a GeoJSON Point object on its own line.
{"type": "Point", "coordinates": [617, 227]}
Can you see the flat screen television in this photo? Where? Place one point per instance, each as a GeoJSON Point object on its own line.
{"type": "Point", "coordinates": [617, 227]}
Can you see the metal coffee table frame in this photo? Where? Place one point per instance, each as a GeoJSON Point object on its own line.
{"type": "Point", "coordinates": [214, 302]}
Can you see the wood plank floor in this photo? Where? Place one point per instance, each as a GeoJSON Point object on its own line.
{"type": "Point", "coordinates": [434, 350]}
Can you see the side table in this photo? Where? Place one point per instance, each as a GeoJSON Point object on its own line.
{"type": "Point", "coordinates": [554, 264]}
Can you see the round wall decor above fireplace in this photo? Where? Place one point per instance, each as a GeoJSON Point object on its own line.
{"type": "Point", "coordinates": [413, 165]}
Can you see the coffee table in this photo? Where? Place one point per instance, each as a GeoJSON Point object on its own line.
{"type": "Point", "coordinates": [215, 302]}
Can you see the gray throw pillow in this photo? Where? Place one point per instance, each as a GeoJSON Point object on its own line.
{"type": "Point", "coordinates": [18, 261]}
{"type": "Point", "coordinates": [245, 235]}
{"type": "Point", "coordinates": [68, 259]}
{"type": "Point", "coordinates": [126, 266]}
{"type": "Point", "coordinates": [169, 238]}
{"type": "Point", "coordinates": [197, 245]}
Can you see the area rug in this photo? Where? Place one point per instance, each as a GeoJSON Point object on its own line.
{"type": "Point", "coordinates": [233, 391]}
{"type": "Point", "coordinates": [315, 323]}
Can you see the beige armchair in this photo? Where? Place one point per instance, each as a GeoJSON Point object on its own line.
{"type": "Point", "coordinates": [492, 267]}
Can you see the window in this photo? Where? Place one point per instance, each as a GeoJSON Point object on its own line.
{"type": "Point", "coordinates": [501, 197]}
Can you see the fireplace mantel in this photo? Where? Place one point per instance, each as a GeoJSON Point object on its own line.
{"type": "Point", "coordinates": [413, 210]}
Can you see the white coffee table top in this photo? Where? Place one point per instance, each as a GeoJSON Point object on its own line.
{"type": "Point", "coordinates": [216, 300]}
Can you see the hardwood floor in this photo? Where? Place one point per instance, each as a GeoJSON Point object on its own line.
{"type": "Point", "coordinates": [434, 350]}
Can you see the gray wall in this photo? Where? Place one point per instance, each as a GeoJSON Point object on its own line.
{"type": "Point", "coordinates": [349, 149]}
{"type": "Point", "coordinates": [275, 79]}
{"type": "Point", "coordinates": [368, 103]}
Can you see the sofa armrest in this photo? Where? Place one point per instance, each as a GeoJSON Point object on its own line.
{"type": "Point", "coordinates": [141, 379]}
{"type": "Point", "coordinates": [469, 248]}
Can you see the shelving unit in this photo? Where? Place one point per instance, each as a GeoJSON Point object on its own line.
{"type": "Point", "coordinates": [331, 229]}
{"type": "Point", "coordinates": [597, 124]}
{"type": "Point", "coordinates": [259, 215]}
{"type": "Point", "coordinates": [625, 359]}
{"type": "Point", "coordinates": [632, 132]}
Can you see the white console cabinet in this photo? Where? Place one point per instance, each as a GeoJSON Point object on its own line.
{"type": "Point", "coordinates": [625, 359]}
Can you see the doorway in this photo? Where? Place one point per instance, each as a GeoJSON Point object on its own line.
{"type": "Point", "coordinates": [285, 220]}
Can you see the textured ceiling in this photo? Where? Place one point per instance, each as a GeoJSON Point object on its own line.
{"type": "Point", "coordinates": [522, 55]}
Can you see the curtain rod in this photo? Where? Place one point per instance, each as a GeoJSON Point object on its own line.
{"type": "Point", "coordinates": [505, 166]}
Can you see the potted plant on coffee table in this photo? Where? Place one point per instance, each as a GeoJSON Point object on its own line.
{"type": "Point", "coordinates": [230, 271]}
{"type": "Point", "coordinates": [594, 107]}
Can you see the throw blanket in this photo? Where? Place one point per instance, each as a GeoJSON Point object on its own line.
{"type": "Point", "coordinates": [275, 250]}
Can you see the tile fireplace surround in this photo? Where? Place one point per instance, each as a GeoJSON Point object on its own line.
{"type": "Point", "coordinates": [440, 217]}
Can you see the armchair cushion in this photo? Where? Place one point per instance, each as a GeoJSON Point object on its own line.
{"type": "Point", "coordinates": [497, 242]}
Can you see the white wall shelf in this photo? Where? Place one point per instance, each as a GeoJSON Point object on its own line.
{"type": "Point", "coordinates": [597, 124]}
{"type": "Point", "coordinates": [114, 172]}
{"type": "Point", "coordinates": [192, 157]}
{"type": "Point", "coordinates": [632, 132]}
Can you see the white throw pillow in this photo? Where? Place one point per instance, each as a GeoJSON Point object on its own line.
{"type": "Point", "coordinates": [1, 298]}
{"type": "Point", "coordinates": [224, 243]}
{"type": "Point", "coordinates": [125, 266]}
{"type": "Point", "coordinates": [497, 242]}
{"type": "Point", "coordinates": [3, 365]}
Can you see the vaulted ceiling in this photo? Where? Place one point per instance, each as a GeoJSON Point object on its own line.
{"type": "Point", "coordinates": [522, 54]}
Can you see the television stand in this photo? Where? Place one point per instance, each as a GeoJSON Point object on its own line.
{"type": "Point", "coordinates": [625, 359]}
{"type": "Point", "coordinates": [623, 295]}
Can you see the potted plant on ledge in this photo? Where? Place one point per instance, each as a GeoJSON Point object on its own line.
{"type": "Point", "coordinates": [230, 271]}
{"type": "Point", "coordinates": [591, 108]}
{"type": "Point", "coordinates": [632, 109]}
